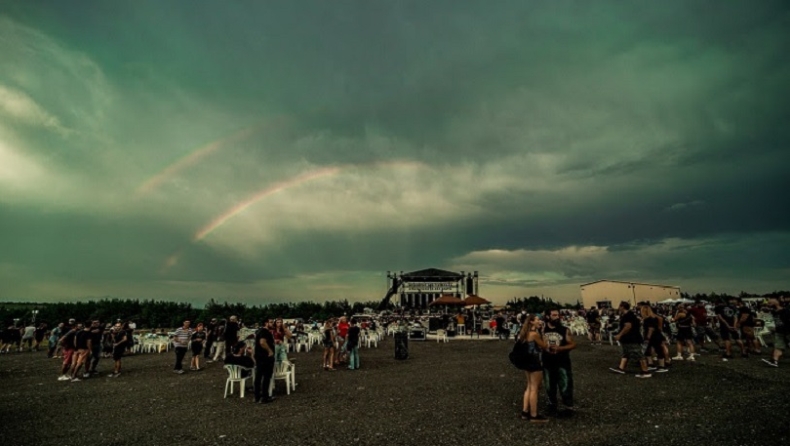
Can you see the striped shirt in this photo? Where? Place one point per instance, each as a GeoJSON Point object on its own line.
{"type": "Point", "coordinates": [181, 337]}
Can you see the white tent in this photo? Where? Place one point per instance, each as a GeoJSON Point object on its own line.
{"type": "Point", "coordinates": [676, 301]}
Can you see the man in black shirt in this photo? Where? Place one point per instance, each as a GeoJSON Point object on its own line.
{"type": "Point", "coordinates": [630, 338]}
{"type": "Point", "coordinates": [557, 363]}
{"type": "Point", "coordinates": [82, 347]}
{"type": "Point", "coordinates": [231, 333]}
{"type": "Point", "coordinates": [97, 333]}
{"type": "Point", "coordinates": [264, 362]}
{"type": "Point", "coordinates": [728, 330]}
{"type": "Point", "coordinates": [353, 345]}
{"type": "Point", "coordinates": [781, 314]}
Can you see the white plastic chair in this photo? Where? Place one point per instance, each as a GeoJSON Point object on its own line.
{"type": "Point", "coordinates": [285, 370]}
{"type": "Point", "coordinates": [234, 376]}
{"type": "Point", "coordinates": [441, 336]}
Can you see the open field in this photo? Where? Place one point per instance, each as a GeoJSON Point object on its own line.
{"type": "Point", "coordinates": [444, 394]}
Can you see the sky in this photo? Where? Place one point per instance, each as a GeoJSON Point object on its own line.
{"type": "Point", "coordinates": [269, 151]}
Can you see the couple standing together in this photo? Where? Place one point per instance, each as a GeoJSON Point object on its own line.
{"type": "Point", "coordinates": [542, 351]}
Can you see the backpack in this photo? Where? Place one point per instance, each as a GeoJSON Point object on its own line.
{"type": "Point", "coordinates": [520, 356]}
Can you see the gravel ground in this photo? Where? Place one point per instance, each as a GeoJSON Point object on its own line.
{"type": "Point", "coordinates": [444, 394]}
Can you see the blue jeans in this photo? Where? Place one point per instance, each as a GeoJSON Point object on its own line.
{"type": "Point", "coordinates": [353, 358]}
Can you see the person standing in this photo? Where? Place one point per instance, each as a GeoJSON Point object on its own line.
{"type": "Point", "coordinates": [211, 336]}
{"type": "Point", "coordinates": [264, 362]}
{"type": "Point", "coordinates": [531, 337]}
{"type": "Point", "coordinates": [781, 314]}
{"type": "Point", "coordinates": [231, 333]}
{"type": "Point", "coordinates": [54, 337]}
{"type": "Point", "coordinates": [684, 321]}
{"type": "Point", "coordinates": [181, 344]}
{"type": "Point", "coordinates": [702, 326]}
{"type": "Point", "coordinates": [353, 345]}
{"type": "Point", "coordinates": [219, 339]}
{"type": "Point", "coordinates": [728, 328]}
{"type": "Point", "coordinates": [118, 348]}
{"type": "Point", "coordinates": [630, 339]}
{"type": "Point", "coordinates": [282, 336]}
{"type": "Point", "coordinates": [328, 341]}
{"type": "Point", "coordinates": [198, 338]}
{"type": "Point", "coordinates": [557, 374]}
{"type": "Point", "coordinates": [594, 326]}
{"type": "Point", "coordinates": [67, 345]}
{"type": "Point", "coordinates": [82, 346]}
{"type": "Point", "coordinates": [39, 335]}
{"type": "Point", "coordinates": [654, 339]}
{"type": "Point", "coordinates": [97, 333]}
{"type": "Point", "coordinates": [28, 337]}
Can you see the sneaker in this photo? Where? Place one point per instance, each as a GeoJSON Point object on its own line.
{"type": "Point", "coordinates": [771, 362]}
{"type": "Point", "coordinates": [661, 370]}
{"type": "Point", "coordinates": [677, 358]}
{"type": "Point", "coordinates": [192, 368]}
{"type": "Point", "coordinates": [538, 419]}
{"type": "Point", "coordinates": [617, 370]}
{"type": "Point", "coordinates": [86, 375]}
{"type": "Point", "coordinates": [75, 380]}
{"type": "Point", "coordinates": [525, 415]}
{"type": "Point", "coordinates": [63, 378]}
{"type": "Point", "coordinates": [644, 375]}
{"type": "Point", "coordinates": [652, 369]}
{"type": "Point", "coordinates": [690, 358]}
{"type": "Point", "coordinates": [178, 372]}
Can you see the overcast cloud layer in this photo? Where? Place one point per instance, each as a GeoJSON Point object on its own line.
{"type": "Point", "coordinates": [273, 151]}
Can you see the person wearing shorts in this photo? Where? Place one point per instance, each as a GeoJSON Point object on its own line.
{"type": "Point", "coordinates": [630, 338]}
{"type": "Point", "coordinates": [728, 330]}
{"type": "Point", "coordinates": [685, 324]}
{"type": "Point", "coordinates": [67, 346]}
{"type": "Point", "coordinates": [198, 339]}
{"type": "Point", "coordinates": [119, 338]}
{"type": "Point", "coordinates": [781, 314]}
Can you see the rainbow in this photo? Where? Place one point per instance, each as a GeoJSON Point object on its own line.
{"type": "Point", "coordinates": [235, 210]}
{"type": "Point", "coordinates": [277, 187]}
{"type": "Point", "coordinates": [292, 182]}
{"type": "Point", "coordinates": [193, 157]}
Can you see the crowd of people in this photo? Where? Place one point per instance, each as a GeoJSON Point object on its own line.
{"type": "Point", "coordinates": [645, 333]}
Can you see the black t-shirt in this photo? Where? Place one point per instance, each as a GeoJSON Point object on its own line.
{"type": "Point", "coordinates": [727, 313]}
{"type": "Point", "coordinates": [81, 339]}
{"type": "Point", "coordinates": [685, 320]}
{"type": "Point", "coordinates": [781, 320]}
{"type": "Point", "coordinates": [199, 336]}
{"type": "Point", "coordinates": [353, 337]}
{"type": "Point", "coordinates": [634, 336]}
{"type": "Point", "coordinates": [592, 317]}
{"type": "Point", "coordinates": [96, 335]}
{"type": "Point", "coordinates": [749, 320]}
{"type": "Point", "coordinates": [654, 323]}
{"type": "Point", "coordinates": [118, 337]}
{"type": "Point", "coordinates": [68, 339]}
{"type": "Point", "coordinates": [556, 337]}
{"type": "Point", "coordinates": [232, 332]}
{"type": "Point", "coordinates": [260, 352]}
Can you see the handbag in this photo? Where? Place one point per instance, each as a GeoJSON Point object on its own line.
{"type": "Point", "coordinates": [519, 356]}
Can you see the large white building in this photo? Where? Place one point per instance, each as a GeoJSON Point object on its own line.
{"type": "Point", "coordinates": [609, 293]}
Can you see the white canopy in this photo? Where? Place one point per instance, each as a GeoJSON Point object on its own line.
{"type": "Point", "coordinates": [676, 301]}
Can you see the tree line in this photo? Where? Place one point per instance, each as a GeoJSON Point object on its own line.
{"type": "Point", "coordinates": [167, 314]}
